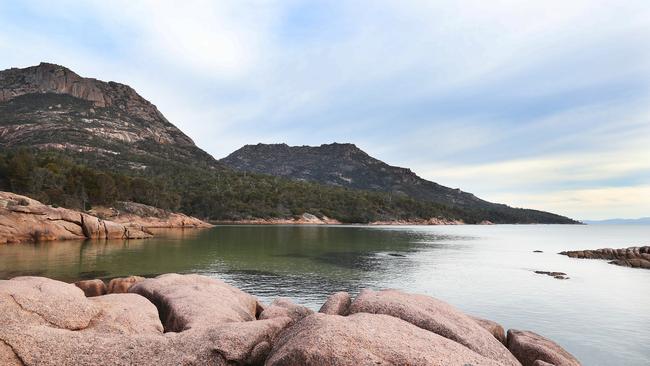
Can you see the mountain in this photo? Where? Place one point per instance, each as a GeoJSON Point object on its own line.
{"type": "Point", "coordinates": [50, 107]}
{"type": "Point", "coordinates": [639, 221]}
{"type": "Point", "coordinates": [345, 165]}
{"type": "Point", "coordinates": [81, 143]}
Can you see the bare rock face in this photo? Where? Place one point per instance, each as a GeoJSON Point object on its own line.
{"type": "Point", "coordinates": [637, 257]}
{"type": "Point", "coordinates": [148, 216]}
{"type": "Point", "coordinates": [50, 107]}
{"type": "Point", "coordinates": [23, 219]}
{"type": "Point", "coordinates": [190, 301]}
{"type": "Point", "coordinates": [337, 304]}
{"type": "Point", "coordinates": [529, 348]}
{"type": "Point", "coordinates": [493, 327]}
{"type": "Point", "coordinates": [284, 307]}
{"type": "Point", "coordinates": [435, 316]}
{"type": "Point", "coordinates": [7, 356]}
{"type": "Point", "coordinates": [367, 339]}
{"type": "Point", "coordinates": [123, 284]}
{"type": "Point", "coordinates": [92, 288]}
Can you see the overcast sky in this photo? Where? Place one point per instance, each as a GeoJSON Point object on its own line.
{"type": "Point", "coordinates": [540, 104]}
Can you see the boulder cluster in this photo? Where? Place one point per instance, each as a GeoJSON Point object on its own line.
{"type": "Point", "coordinates": [196, 320]}
{"type": "Point", "coordinates": [23, 219]}
{"type": "Point", "coordinates": [637, 257]}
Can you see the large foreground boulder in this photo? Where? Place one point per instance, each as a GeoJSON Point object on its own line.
{"type": "Point", "coordinates": [41, 300]}
{"type": "Point", "coordinates": [531, 349]}
{"type": "Point", "coordinates": [125, 314]}
{"type": "Point", "coordinates": [45, 322]}
{"type": "Point", "coordinates": [435, 316]}
{"type": "Point", "coordinates": [367, 339]}
{"type": "Point", "coordinates": [187, 301]}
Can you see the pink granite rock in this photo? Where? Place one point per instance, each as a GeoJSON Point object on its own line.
{"type": "Point", "coordinates": [530, 347]}
{"type": "Point", "coordinates": [367, 339]}
{"type": "Point", "coordinates": [435, 316]}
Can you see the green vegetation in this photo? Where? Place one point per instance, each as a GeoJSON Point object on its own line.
{"type": "Point", "coordinates": [214, 194]}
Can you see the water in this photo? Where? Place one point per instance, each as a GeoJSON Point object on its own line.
{"type": "Point", "coordinates": [601, 314]}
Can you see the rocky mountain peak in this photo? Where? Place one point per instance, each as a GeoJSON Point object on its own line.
{"type": "Point", "coordinates": [49, 106]}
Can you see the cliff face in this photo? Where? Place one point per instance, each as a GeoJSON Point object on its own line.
{"type": "Point", "coordinates": [49, 106]}
{"type": "Point", "coordinates": [346, 165]}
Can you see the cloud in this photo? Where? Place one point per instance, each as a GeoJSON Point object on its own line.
{"type": "Point", "coordinates": [589, 204]}
{"type": "Point", "coordinates": [498, 98]}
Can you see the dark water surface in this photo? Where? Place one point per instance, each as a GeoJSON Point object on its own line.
{"type": "Point", "coordinates": [601, 314]}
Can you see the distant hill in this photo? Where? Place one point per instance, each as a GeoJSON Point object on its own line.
{"type": "Point", "coordinates": [640, 221]}
{"type": "Point", "coordinates": [345, 165]}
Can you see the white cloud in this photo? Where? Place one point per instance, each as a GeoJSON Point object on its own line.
{"type": "Point", "coordinates": [228, 73]}
{"type": "Point", "coordinates": [588, 204]}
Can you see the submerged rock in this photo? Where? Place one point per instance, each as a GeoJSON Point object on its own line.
{"type": "Point", "coordinates": [558, 275]}
{"type": "Point", "coordinates": [367, 339]}
{"type": "Point", "coordinates": [531, 349]}
{"type": "Point", "coordinates": [435, 316]}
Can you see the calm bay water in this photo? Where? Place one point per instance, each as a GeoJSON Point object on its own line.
{"type": "Point", "coordinates": [601, 314]}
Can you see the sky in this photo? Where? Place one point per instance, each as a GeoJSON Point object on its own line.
{"type": "Point", "coordinates": [537, 104]}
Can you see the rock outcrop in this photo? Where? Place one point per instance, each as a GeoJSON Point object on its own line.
{"type": "Point", "coordinates": [189, 301]}
{"type": "Point", "coordinates": [195, 320]}
{"type": "Point", "coordinates": [47, 322]}
{"type": "Point", "coordinates": [92, 288]}
{"type": "Point", "coordinates": [304, 219]}
{"type": "Point", "coordinates": [435, 316]}
{"type": "Point", "coordinates": [122, 285]}
{"type": "Point", "coordinates": [337, 304]}
{"type": "Point", "coordinates": [493, 327]}
{"type": "Point", "coordinates": [283, 307]}
{"type": "Point", "coordinates": [147, 216]}
{"type": "Point", "coordinates": [637, 257]}
{"type": "Point", "coordinates": [367, 339]}
{"type": "Point", "coordinates": [532, 349]}
{"type": "Point", "coordinates": [23, 219]}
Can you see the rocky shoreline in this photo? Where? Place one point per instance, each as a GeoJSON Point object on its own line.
{"type": "Point", "coordinates": [196, 320]}
{"type": "Point", "coordinates": [636, 257]}
{"type": "Point", "coordinates": [309, 219]}
{"type": "Point", "coordinates": [24, 220]}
